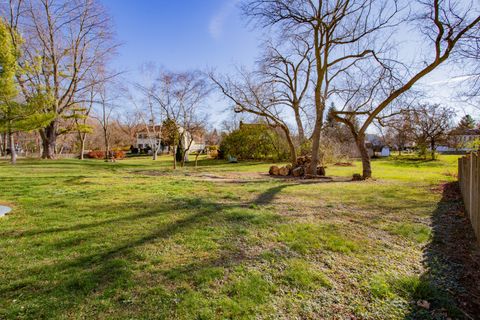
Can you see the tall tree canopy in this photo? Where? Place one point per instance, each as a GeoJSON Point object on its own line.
{"type": "Point", "coordinates": [14, 114]}
{"type": "Point", "coordinates": [64, 43]}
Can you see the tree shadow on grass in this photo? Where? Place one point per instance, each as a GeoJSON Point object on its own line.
{"type": "Point", "coordinates": [452, 258]}
{"type": "Point", "coordinates": [57, 288]}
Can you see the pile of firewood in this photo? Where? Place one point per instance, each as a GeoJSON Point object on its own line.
{"type": "Point", "coordinates": [300, 169]}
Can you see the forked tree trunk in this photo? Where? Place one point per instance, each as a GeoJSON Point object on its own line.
{"type": "Point", "coordinates": [49, 140]}
{"type": "Point", "coordinates": [317, 133]}
{"type": "Point", "coordinates": [366, 164]}
{"type": "Point", "coordinates": [13, 152]}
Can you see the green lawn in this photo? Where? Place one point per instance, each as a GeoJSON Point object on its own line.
{"type": "Point", "coordinates": [136, 240]}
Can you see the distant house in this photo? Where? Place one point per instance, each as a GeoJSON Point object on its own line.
{"type": "Point", "coordinates": [146, 139]}
{"type": "Point", "coordinates": [465, 136]}
{"type": "Point", "coordinates": [459, 140]}
{"type": "Point", "coordinates": [376, 146]}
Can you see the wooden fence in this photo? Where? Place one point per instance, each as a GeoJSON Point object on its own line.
{"type": "Point", "coordinates": [469, 178]}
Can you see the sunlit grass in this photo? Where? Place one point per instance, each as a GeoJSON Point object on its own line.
{"type": "Point", "coordinates": [135, 240]}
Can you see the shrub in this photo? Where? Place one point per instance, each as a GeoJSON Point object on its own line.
{"type": "Point", "coordinates": [255, 141]}
{"type": "Point", "coordinates": [98, 154]}
{"type": "Point", "coordinates": [119, 154]}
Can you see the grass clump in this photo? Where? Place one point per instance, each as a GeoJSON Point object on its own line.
{"type": "Point", "coordinates": [413, 231]}
{"type": "Point", "coordinates": [251, 216]}
{"type": "Point", "coordinates": [411, 288]}
{"type": "Point", "coordinates": [308, 237]}
{"type": "Point", "coordinates": [302, 275]}
{"type": "Point", "coordinates": [246, 294]}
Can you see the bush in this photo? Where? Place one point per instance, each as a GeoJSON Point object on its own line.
{"type": "Point", "coordinates": [213, 151]}
{"type": "Point", "coordinates": [98, 154]}
{"type": "Point", "coordinates": [255, 142]}
{"type": "Point", "coordinates": [119, 154]}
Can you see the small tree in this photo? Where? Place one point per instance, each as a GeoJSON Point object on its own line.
{"type": "Point", "coordinates": [431, 123]}
{"type": "Point", "coordinates": [180, 97]}
{"type": "Point", "coordinates": [399, 131]}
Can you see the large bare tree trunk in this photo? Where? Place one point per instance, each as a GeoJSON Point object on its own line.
{"type": "Point", "coordinates": [366, 165]}
{"type": "Point", "coordinates": [316, 136]}
{"type": "Point", "coordinates": [49, 140]}
{"type": "Point", "coordinates": [13, 152]}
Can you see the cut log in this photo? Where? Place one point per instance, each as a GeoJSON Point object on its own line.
{"type": "Point", "coordinates": [283, 171]}
{"type": "Point", "coordinates": [273, 171]}
{"type": "Point", "coordinates": [298, 171]}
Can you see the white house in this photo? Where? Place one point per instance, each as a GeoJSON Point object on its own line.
{"type": "Point", "coordinates": [459, 140]}
{"type": "Point", "coordinates": [147, 138]}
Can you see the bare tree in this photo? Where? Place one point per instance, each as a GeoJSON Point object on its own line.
{"type": "Point", "coordinates": [81, 116]}
{"type": "Point", "coordinates": [179, 97]}
{"type": "Point", "coordinates": [468, 58]}
{"type": "Point", "coordinates": [151, 118]}
{"type": "Point", "coordinates": [256, 95]}
{"type": "Point", "coordinates": [431, 124]}
{"type": "Point", "coordinates": [340, 32]}
{"type": "Point", "coordinates": [444, 24]}
{"type": "Point", "coordinates": [399, 131]}
{"type": "Point", "coordinates": [104, 113]}
{"type": "Point", "coordinates": [63, 42]}
{"type": "Point", "coordinates": [289, 74]}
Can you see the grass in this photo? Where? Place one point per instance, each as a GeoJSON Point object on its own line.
{"type": "Point", "coordinates": [137, 240]}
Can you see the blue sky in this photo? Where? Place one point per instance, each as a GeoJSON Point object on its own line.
{"type": "Point", "coordinates": [181, 34]}
{"type": "Point", "coordinates": [198, 34]}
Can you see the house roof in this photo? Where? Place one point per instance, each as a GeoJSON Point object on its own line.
{"type": "Point", "coordinates": [465, 132]}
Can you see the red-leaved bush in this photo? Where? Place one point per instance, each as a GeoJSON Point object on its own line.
{"type": "Point", "coordinates": [98, 154]}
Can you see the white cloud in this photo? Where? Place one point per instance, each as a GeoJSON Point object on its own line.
{"type": "Point", "coordinates": [217, 22]}
{"type": "Point", "coordinates": [450, 81]}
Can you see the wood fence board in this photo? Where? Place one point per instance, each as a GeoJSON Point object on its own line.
{"type": "Point", "coordinates": [469, 182]}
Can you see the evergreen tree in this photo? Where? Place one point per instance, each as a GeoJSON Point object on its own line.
{"type": "Point", "coordinates": [466, 122]}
